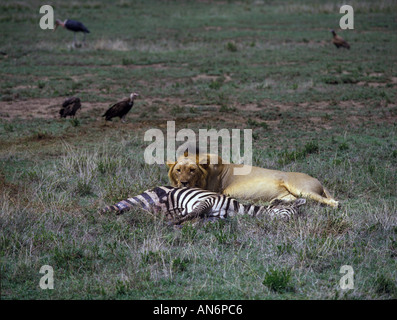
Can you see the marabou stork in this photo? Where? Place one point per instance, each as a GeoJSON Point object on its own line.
{"type": "Point", "coordinates": [120, 109]}
{"type": "Point", "coordinates": [72, 25]}
{"type": "Point", "coordinates": [339, 41]}
{"type": "Point", "coordinates": [69, 107]}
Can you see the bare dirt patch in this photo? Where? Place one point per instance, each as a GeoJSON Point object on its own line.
{"type": "Point", "coordinates": [213, 28]}
{"type": "Point", "coordinates": [159, 66]}
{"type": "Point", "coordinates": [45, 108]}
{"type": "Point", "coordinates": [206, 77]}
{"type": "Point", "coordinates": [319, 115]}
{"type": "Point", "coordinates": [392, 81]}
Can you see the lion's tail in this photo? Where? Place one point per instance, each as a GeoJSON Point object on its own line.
{"type": "Point", "coordinates": [327, 194]}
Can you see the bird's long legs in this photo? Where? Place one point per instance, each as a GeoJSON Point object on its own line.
{"type": "Point", "coordinates": [75, 44]}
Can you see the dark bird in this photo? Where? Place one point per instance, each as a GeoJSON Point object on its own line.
{"type": "Point", "coordinates": [69, 107]}
{"type": "Point", "coordinates": [120, 109]}
{"type": "Point", "coordinates": [339, 41]}
{"type": "Point", "coordinates": [72, 25]}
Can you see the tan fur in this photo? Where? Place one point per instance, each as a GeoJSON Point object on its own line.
{"type": "Point", "coordinates": [259, 184]}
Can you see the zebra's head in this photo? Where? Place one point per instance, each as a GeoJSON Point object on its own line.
{"type": "Point", "coordinates": [299, 202]}
{"type": "Point", "coordinates": [285, 209]}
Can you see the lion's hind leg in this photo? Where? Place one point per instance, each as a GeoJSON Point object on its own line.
{"type": "Point", "coordinates": [316, 197]}
{"type": "Point", "coordinates": [316, 192]}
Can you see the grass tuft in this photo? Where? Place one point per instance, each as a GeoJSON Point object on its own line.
{"type": "Point", "coordinates": [278, 280]}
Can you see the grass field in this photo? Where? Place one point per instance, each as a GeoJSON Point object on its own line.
{"type": "Point", "coordinates": [265, 65]}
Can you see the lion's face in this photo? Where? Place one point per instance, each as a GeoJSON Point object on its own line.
{"type": "Point", "coordinates": [187, 173]}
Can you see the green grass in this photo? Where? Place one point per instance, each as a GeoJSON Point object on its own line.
{"type": "Point", "coordinates": [266, 66]}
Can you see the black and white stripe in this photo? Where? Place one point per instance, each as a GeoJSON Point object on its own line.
{"type": "Point", "coordinates": [182, 204]}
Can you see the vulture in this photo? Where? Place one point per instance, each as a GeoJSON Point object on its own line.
{"type": "Point", "coordinates": [72, 25]}
{"type": "Point", "coordinates": [339, 41]}
{"type": "Point", "coordinates": [120, 109]}
{"type": "Point", "coordinates": [69, 107]}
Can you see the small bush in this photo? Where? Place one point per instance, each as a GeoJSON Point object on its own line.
{"type": "Point", "coordinates": [254, 123]}
{"type": "Point", "coordinates": [216, 84]}
{"type": "Point", "coordinates": [225, 108]}
{"type": "Point", "coordinates": [179, 264]}
{"type": "Point", "coordinates": [176, 110]}
{"type": "Point", "coordinates": [278, 280]}
{"type": "Point", "coordinates": [74, 122]}
{"type": "Point", "coordinates": [40, 135]}
{"type": "Point", "coordinates": [290, 156]}
{"type": "Point", "coordinates": [8, 127]}
{"type": "Point", "coordinates": [151, 257]}
{"type": "Point", "coordinates": [127, 61]}
{"type": "Point", "coordinates": [343, 146]}
{"type": "Point", "coordinates": [41, 84]}
{"type": "Point", "coordinates": [108, 165]}
{"type": "Point", "coordinates": [231, 47]}
{"type": "Point", "coordinates": [83, 188]}
{"type": "Point", "coordinates": [188, 233]}
{"type": "Point", "coordinates": [385, 285]}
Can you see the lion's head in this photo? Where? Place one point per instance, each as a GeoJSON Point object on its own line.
{"type": "Point", "coordinates": [193, 170]}
{"type": "Point", "coordinates": [187, 172]}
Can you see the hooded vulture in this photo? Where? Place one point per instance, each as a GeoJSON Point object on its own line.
{"type": "Point", "coordinates": [120, 109]}
{"type": "Point", "coordinates": [339, 41]}
{"type": "Point", "coordinates": [69, 107]}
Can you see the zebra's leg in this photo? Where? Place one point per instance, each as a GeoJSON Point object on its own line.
{"type": "Point", "coordinates": [110, 209]}
{"type": "Point", "coordinates": [285, 210]}
{"type": "Point", "coordinates": [297, 204]}
{"type": "Point", "coordinates": [119, 208]}
{"type": "Point", "coordinates": [202, 210]}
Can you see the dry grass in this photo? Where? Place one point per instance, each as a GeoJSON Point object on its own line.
{"type": "Point", "coordinates": [107, 44]}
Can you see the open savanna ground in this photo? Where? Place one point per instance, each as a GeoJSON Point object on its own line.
{"type": "Point", "coordinates": [262, 65]}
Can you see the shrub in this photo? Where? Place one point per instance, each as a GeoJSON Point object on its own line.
{"type": "Point", "coordinates": [231, 47]}
{"type": "Point", "coordinates": [278, 280]}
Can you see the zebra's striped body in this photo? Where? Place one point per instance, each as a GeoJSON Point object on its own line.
{"type": "Point", "coordinates": [182, 204]}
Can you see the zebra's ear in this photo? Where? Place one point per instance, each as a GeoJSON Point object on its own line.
{"type": "Point", "coordinates": [300, 202]}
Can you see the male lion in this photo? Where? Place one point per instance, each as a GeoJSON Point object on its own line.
{"type": "Point", "coordinates": [259, 184]}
